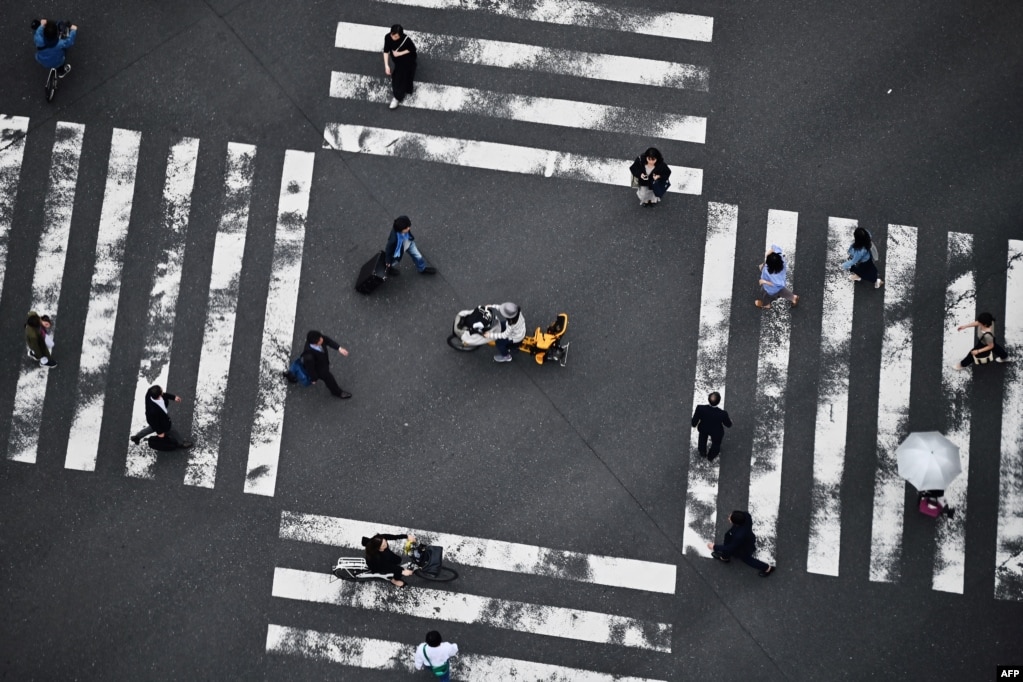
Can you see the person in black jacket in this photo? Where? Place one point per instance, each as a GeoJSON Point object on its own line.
{"type": "Point", "coordinates": [651, 175]}
{"type": "Point", "coordinates": [710, 420]}
{"type": "Point", "coordinates": [317, 362]}
{"type": "Point", "coordinates": [381, 559]}
{"type": "Point", "coordinates": [741, 542]}
{"type": "Point", "coordinates": [159, 421]}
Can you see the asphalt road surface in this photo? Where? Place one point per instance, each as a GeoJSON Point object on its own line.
{"type": "Point", "coordinates": [210, 178]}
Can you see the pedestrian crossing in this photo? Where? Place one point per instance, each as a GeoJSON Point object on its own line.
{"type": "Point", "coordinates": [98, 344]}
{"type": "Point", "coordinates": [657, 125]}
{"type": "Point", "coordinates": [458, 605]}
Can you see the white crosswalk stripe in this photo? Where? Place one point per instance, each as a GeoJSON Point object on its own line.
{"type": "Point", "coordinates": [12, 149]}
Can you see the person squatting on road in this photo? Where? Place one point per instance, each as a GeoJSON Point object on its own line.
{"type": "Point", "coordinates": [317, 362]}
{"type": "Point", "coordinates": [399, 241]}
{"type": "Point", "coordinates": [403, 52]}
{"type": "Point", "coordinates": [511, 331]}
{"type": "Point", "coordinates": [862, 254]}
{"type": "Point", "coordinates": [436, 653]}
{"type": "Point", "coordinates": [773, 272]}
{"type": "Point", "coordinates": [985, 347]}
{"type": "Point", "coordinates": [51, 49]}
{"type": "Point", "coordinates": [650, 175]}
{"type": "Point", "coordinates": [741, 542]}
{"type": "Point", "coordinates": [159, 421]}
{"type": "Point", "coordinates": [39, 339]}
{"type": "Point", "coordinates": [710, 421]}
{"type": "Point", "coordinates": [381, 559]}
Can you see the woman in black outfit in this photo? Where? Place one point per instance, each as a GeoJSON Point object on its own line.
{"type": "Point", "coordinates": [651, 175]}
{"type": "Point", "coordinates": [381, 559]}
{"type": "Point", "coordinates": [403, 52]}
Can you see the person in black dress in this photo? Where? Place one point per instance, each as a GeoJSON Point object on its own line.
{"type": "Point", "coordinates": [402, 52]}
{"type": "Point", "coordinates": [381, 559]}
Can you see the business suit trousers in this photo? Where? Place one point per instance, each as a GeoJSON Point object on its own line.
{"type": "Point", "coordinates": [332, 384]}
{"type": "Point", "coordinates": [715, 445]}
{"type": "Point", "coordinates": [747, 559]}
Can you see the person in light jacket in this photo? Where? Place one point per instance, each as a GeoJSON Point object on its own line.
{"type": "Point", "coordinates": [511, 332]}
{"type": "Point", "coordinates": [861, 260]}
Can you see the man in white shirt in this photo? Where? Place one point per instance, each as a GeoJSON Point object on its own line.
{"type": "Point", "coordinates": [435, 653]}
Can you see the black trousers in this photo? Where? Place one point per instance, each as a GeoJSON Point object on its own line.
{"type": "Point", "coordinates": [715, 445]}
{"type": "Point", "coordinates": [331, 383]}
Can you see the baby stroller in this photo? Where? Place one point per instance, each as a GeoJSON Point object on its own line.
{"type": "Point", "coordinates": [932, 503]}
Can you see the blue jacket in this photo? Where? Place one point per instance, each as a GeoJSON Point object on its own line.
{"type": "Point", "coordinates": [857, 256]}
{"type": "Point", "coordinates": [392, 246]}
{"type": "Point", "coordinates": [52, 56]}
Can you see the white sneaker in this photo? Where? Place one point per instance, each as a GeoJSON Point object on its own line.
{"type": "Point", "coordinates": [878, 283]}
{"type": "Point", "coordinates": [394, 103]}
{"type": "Point", "coordinates": [502, 358]}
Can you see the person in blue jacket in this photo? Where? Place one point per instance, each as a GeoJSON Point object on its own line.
{"type": "Point", "coordinates": [741, 542]}
{"type": "Point", "coordinates": [861, 259]}
{"type": "Point", "coordinates": [51, 49]}
{"type": "Point", "coordinates": [400, 241]}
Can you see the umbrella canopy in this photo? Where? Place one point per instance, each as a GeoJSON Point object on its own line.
{"type": "Point", "coordinates": [928, 460]}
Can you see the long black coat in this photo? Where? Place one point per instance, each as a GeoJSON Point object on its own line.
{"type": "Point", "coordinates": [711, 420]}
{"type": "Point", "coordinates": [155, 416]}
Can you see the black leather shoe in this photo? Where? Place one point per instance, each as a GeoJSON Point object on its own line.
{"type": "Point", "coordinates": [720, 558]}
{"type": "Point", "coordinates": [136, 440]}
{"type": "Point", "coordinates": [392, 271]}
{"type": "Point", "coordinates": [428, 270]}
{"type": "Point", "coordinates": [344, 395]}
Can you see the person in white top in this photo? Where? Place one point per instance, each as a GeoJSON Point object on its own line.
{"type": "Point", "coordinates": [435, 654]}
{"type": "Point", "coordinates": [510, 332]}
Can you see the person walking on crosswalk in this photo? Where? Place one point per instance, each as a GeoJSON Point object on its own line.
{"type": "Point", "coordinates": [437, 654]}
{"type": "Point", "coordinates": [39, 339]}
{"type": "Point", "coordinates": [159, 421]}
{"type": "Point", "coordinates": [985, 346]}
{"type": "Point", "coordinates": [650, 175]}
{"type": "Point", "coordinates": [773, 272]}
{"type": "Point", "coordinates": [317, 362]}
{"type": "Point", "coordinates": [741, 542]}
{"type": "Point", "coordinates": [402, 51]}
{"type": "Point", "coordinates": [399, 241]}
{"type": "Point", "coordinates": [862, 257]}
{"type": "Point", "coordinates": [710, 420]}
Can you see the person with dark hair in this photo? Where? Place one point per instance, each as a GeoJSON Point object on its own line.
{"type": "Point", "coordinates": [317, 362]}
{"type": "Point", "coordinates": [710, 421]}
{"type": "Point", "coordinates": [38, 339]}
{"type": "Point", "coordinates": [650, 177]}
{"type": "Point", "coordinates": [985, 347]}
{"type": "Point", "coordinates": [741, 542]}
{"type": "Point", "coordinates": [773, 272]}
{"type": "Point", "coordinates": [510, 332]}
{"type": "Point", "coordinates": [399, 241]}
{"type": "Point", "coordinates": [402, 52]}
{"type": "Point", "coordinates": [51, 49]}
{"type": "Point", "coordinates": [159, 421]}
{"type": "Point", "coordinates": [381, 559]}
{"type": "Point", "coordinates": [861, 259]}
{"type": "Point", "coordinates": [436, 653]}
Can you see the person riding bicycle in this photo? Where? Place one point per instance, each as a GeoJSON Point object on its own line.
{"type": "Point", "coordinates": [381, 559]}
{"type": "Point", "coordinates": [51, 49]}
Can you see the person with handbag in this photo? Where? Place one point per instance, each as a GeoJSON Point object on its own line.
{"type": "Point", "coordinates": [402, 51]}
{"type": "Point", "coordinates": [650, 177]}
{"type": "Point", "coordinates": [862, 259]}
{"type": "Point", "coordinates": [436, 653]}
{"type": "Point", "coordinates": [985, 347]}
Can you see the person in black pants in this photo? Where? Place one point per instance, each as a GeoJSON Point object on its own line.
{"type": "Point", "coordinates": [710, 420]}
{"type": "Point", "coordinates": [381, 559]}
{"type": "Point", "coordinates": [159, 421]}
{"type": "Point", "coordinates": [317, 362]}
{"type": "Point", "coordinates": [741, 542]}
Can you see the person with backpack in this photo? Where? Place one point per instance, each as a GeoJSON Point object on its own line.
{"type": "Point", "coordinates": [316, 361]}
{"type": "Point", "coordinates": [437, 654]}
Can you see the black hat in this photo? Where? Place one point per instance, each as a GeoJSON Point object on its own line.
{"type": "Point", "coordinates": [402, 222]}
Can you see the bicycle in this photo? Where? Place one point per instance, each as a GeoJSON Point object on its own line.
{"type": "Point", "coordinates": [64, 30]}
{"type": "Point", "coordinates": [426, 561]}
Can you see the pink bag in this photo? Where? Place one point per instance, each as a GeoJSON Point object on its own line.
{"type": "Point", "coordinates": [930, 507]}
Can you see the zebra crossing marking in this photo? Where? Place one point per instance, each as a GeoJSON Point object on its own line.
{"type": "Point", "coordinates": [772, 376]}
{"type": "Point", "coordinates": [711, 369]}
{"type": "Point", "coordinates": [960, 305]}
{"type": "Point", "coordinates": [459, 607]}
{"type": "Point", "coordinates": [493, 156]}
{"type": "Point", "coordinates": [104, 293]}
{"type": "Point", "coordinates": [379, 654]}
{"type": "Point", "coordinates": [492, 554]}
{"type": "Point", "coordinates": [830, 430]}
{"type": "Point", "coordinates": [221, 311]}
{"type": "Point", "coordinates": [545, 110]}
{"type": "Point", "coordinates": [46, 284]}
{"type": "Point", "coordinates": [579, 13]}
{"type": "Point", "coordinates": [893, 404]}
{"type": "Point", "coordinates": [535, 58]}
{"type": "Point", "coordinates": [13, 130]}
{"type": "Point", "coordinates": [163, 298]}
{"type": "Point", "coordinates": [1009, 545]}
{"type": "Point", "coordinates": [279, 323]}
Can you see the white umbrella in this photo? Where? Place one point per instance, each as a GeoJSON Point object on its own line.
{"type": "Point", "coordinates": [928, 460]}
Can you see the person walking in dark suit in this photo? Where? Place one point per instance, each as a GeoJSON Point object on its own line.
{"type": "Point", "coordinates": [741, 542]}
{"type": "Point", "coordinates": [317, 362]}
{"type": "Point", "coordinates": [710, 421]}
{"type": "Point", "coordinates": [159, 421]}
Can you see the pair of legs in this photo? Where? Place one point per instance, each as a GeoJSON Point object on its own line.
{"type": "Point", "coordinates": [172, 436]}
{"type": "Point", "coordinates": [715, 446]}
{"type": "Point", "coordinates": [747, 559]}
{"type": "Point", "coordinates": [867, 272]}
{"type": "Point", "coordinates": [43, 361]}
{"type": "Point", "coordinates": [999, 353]}
{"type": "Point", "coordinates": [417, 258]}
{"type": "Point", "coordinates": [646, 196]}
{"type": "Point", "coordinates": [334, 389]}
{"type": "Point", "coordinates": [504, 350]}
{"type": "Point", "coordinates": [402, 81]}
{"type": "Point", "coordinates": [765, 298]}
